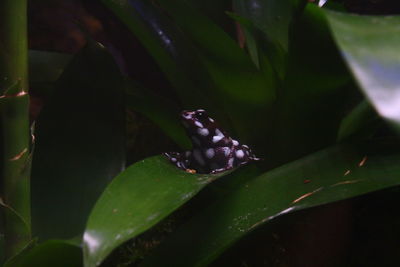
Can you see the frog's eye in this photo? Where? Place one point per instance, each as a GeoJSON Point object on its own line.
{"type": "Point", "coordinates": [201, 114]}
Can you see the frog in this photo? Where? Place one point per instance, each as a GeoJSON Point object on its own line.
{"type": "Point", "coordinates": [213, 150]}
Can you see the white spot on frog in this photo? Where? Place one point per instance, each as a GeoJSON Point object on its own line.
{"type": "Point", "coordinates": [217, 138]}
{"type": "Point", "coordinates": [203, 131]}
{"type": "Point", "coordinates": [227, 151]}
{"type": "Point", "coordinates": [210, 153]}
{"type": "Point", "coordinates": [235, 143]}
{"type": "Point", "coordinates": [239, 154]}
{"type": "Point", "coordinates": [198, 124]}
{"type": "Point", "coordinates": [219, 133]}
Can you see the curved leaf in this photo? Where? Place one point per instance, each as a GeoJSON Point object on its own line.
{"type": "Point", "coordinates": [170, 49]}
{"type": "Point", "coordinates": [228, 64]}
{"type": "Point", "coordinates": [362, 121]}
{"type": "Point", "coordinates": [272, 17]}
{"type": "Point", "coordinates": [369, 45]}
{"type": "Point", "coordinates": [330, 175]}
{"type": "Point", "coordinates": [50, 253]}
{"type": "Point", "coordinates": [79, 144]}
{"type": "Point", "coordinates": [46, 66]}
{"type": "Point", "coordinates": [136, 200]}
{"type": "Point", "coordinates": [303, 121]}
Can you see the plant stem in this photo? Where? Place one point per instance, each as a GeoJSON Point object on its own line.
{"type": "Point", "coordinates": [14, 105]}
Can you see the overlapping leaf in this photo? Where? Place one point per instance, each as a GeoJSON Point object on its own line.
{"type": "Point", "coordinates": [136, 200]}
{"type": "Point", "coordinates": [330, 175]}
{"type": "Point", "coordinates": [79, 144]}
{"type": "Point", "coordinates": [369, 46]}
{"type": "Point", "coordinates": [50, 253]}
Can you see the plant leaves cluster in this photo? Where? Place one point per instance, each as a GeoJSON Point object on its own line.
{"type": "Point", "coordinates": [313, 92]}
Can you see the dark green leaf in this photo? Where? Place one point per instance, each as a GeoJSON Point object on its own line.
{"type": "Point", "coordinates": [46, 66]}
{"type": "Point", "coordinates": [316, 83]}
{"type": "Point", "coordinates": [136, 200]}
{"type": "Point", "coordinates": [369, 46]}
{"type": "Point", "coordinates": [79, 144]}
{"type": "Point", "coordinates": [361, 122]}
{"type": "Point", "coordinates": [272, 17]}
{"type": "Point", "coordinates": [159, 110]}
{"type": "Point", "coordinates": [330, 175]}
{"type": "Point", "coordinates": [270, 25]}
{"type": "Point", "coordinates": [170, 49]}
{"type": "Point", "coordinates": [48, 254]}
{"type": "Point", "coordinates": [235, 76]}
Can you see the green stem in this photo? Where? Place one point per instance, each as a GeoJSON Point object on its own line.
{"type": "Point", "coordinates": [14, 104]}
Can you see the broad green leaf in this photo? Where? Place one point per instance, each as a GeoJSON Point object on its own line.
{"type": "Point", "coordinates": [316, 83]}
{"type": "Point", "coordinates": [369, 45]}
{"type": "Point", "coordinates": [330, 175]}
{"type": "Point", "coordinates": [136, 200]}
{"type": "Point", "coordinates": [241, 89]}
{"type": "Point", "coordinates": [360, 122]}
{"type": "Point", "coordinates": [202, 77]}
{"type": "Point", "coordinates": [236, 77]}
{"type": "Point", "coordinates": [50, 253]}
{"type": "Point", "coordinates": [79, 144]}
{"type": "Point", "coordinates": [171, 50]}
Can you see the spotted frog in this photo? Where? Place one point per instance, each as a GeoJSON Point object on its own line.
{"type": "Point", "coordinates": [213, 150]}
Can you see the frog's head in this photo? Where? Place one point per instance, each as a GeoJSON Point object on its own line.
{"type": "Point", "coordinates": [200, 127]}
{"type": "Point", "coordinates": [197, 119]}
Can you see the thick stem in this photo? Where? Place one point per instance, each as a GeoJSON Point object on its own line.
{"type": "Point", "coordinates": [14, 103]}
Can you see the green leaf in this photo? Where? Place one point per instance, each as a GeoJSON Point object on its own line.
{"type": "Point", "coordinates": [272, 17]}
{"type": "Point", "coordinates": [369, 45]}
{"type": "Point", "coordinates": [79, 144]}
{"type": "Point", "coordinates": [330, 175]}
{"type": "Point", "coordinates": [229, 66]}
{"type": "Point", "coordinates": [50, 253]}
{"type": "Point", "coordinates": [250, 41]}
{"type": "Point", "coordinates": [316, 83]}
{"type": "Point", "coordinates": [162, 112]}
{"type": "Point", "coordinates": [270, 24]}
{"type": "Point", "coordinates": [46, 66]}
{"type": "Point", "coordinates": [360, 122]}
{"type": "Point", "coordinates": [215, 77]}
{"type": "Point", "coordinates": [136, 200]}
{"type": "Point", "coordinates": [168, 46]}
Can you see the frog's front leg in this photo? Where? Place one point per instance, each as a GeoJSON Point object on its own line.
{"type": "Point", "coordinates": [180, 160]}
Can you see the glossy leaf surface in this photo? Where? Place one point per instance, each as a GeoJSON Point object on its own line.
{"type": "Point", "coordinates": [136, 200]}
{"type": "Point", "coordinates": [79, 144]}
{"type": "Point", "coordinates": [330, 175]}
{"type": "Point", "coordinates": [369, 46]}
